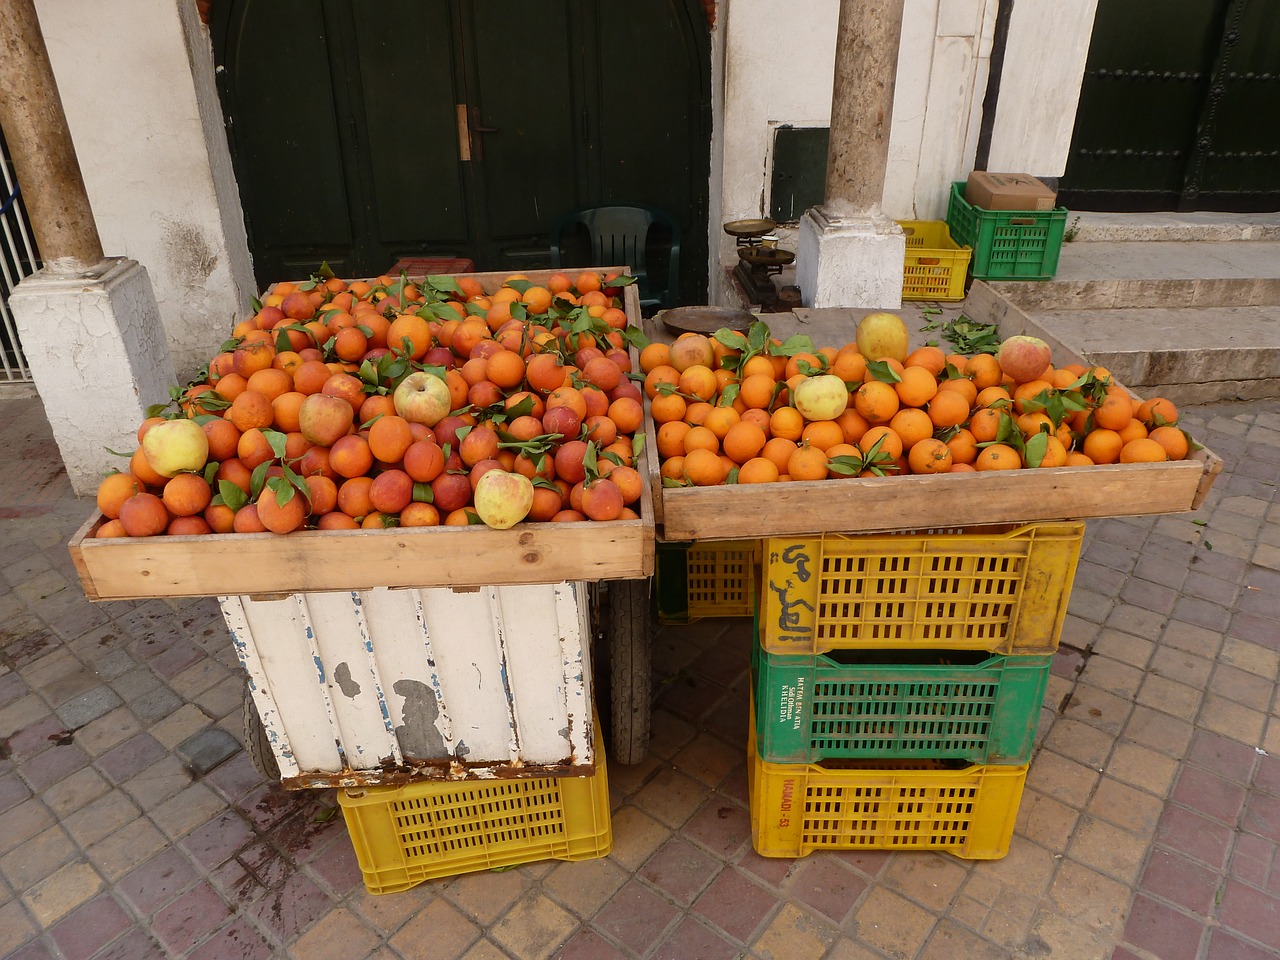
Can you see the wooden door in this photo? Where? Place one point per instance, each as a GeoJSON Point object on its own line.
{"type": "Point", "coordinates": [1177, 108]}
{"type": "Point", "coordinates": [362, 132]}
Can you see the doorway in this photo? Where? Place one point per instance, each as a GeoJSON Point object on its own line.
{"type": "Point", "coordinates": [1177, 108]}
{"type": "Point", "coordinates": [363, 132]}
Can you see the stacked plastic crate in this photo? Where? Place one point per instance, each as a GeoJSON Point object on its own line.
{"type": "Point", "coordinates": [899, 680]}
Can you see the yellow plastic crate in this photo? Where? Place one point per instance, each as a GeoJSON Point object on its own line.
{"type": "Point", "coordinates": [711, 578]}
{"type": "Point", "coordinates": [935, 265]}
{"type": "Point", "coordinates": [1002, 588]}
{"type": "Point", "coordinates": [797, 808]}
{"type": "Point", "coordinates": [428, 829]}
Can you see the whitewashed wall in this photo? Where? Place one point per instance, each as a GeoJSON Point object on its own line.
{"type": "Point", "coordinates": [779, 59]}
{"type": "Point", "coordinates": [136, 79]}
{"type": "Point", "coordinates": [1040, 85]}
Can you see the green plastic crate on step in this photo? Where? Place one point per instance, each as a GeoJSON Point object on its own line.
{"type": "Point", "coordinates": [432, 828]}
{"type": "Point", "coordinates": [1007, 244]}
{"type": "Point", "coordinates": [898, 704]}
{"type": "Point", "coordinates": [967, 811]}
{"type": "Point", "coordinates": [1003, 589]}
{"type": "Point", "coordinates": [711, 578]}
{"type": "Point", "coordinates": [935, 265]}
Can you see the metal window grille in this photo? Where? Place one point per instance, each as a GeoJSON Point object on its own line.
{"type": "Point", "coordinates": [18, 258]}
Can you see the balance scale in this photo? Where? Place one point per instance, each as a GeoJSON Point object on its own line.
{"type": "Point", "coordinates": [759, 261]}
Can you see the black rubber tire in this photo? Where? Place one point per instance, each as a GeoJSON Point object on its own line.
{"type": "Point", "coordinates": [256, 743]}
{"type": "Point", "coordinates": [627, 622]}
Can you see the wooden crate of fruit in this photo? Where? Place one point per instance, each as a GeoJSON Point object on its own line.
{"type": "Point", "coordinates": [210, 552]}
{"type": "Point", "coordinates": [730, 492]}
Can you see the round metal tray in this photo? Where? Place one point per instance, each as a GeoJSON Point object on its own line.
{"type": "Point", "coordinates": [766, 256]}
{"type": "Point", "coordinates": [749, 228]}
{"type": "Point", "coordinates": [706, 319]}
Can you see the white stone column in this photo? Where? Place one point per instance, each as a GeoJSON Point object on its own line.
{"type": "Point", "coordinates": [89, 326]}
{"type": "Point", "coordinates": [99, 358]}
{"type": "Point", "coordinates": [850, 254]}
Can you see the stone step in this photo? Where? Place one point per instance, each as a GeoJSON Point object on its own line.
{"type": "Point", "coordinates": [1152, 274]}
{"type": "Point", "coordinates": [1191, 354]}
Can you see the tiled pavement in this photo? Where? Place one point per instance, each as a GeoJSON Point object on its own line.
{"type": "Point", "coordinates": [1149, 828]}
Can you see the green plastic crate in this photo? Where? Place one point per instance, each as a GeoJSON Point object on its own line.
{"type": "Point", "coordinates": [1007, 244]}
{"type": "Point", "coordinates": [898, 704]}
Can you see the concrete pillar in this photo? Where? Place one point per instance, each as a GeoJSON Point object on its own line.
{"type": "Point", "coordinates": [850, 254]}
{"type": "Point", "coordinates": [89, 326]}
{"type": "Point", "coordinates": [35, 128]}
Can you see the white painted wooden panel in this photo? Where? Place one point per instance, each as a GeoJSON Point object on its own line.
{"type": "Point", "coordinates": [361, 685]}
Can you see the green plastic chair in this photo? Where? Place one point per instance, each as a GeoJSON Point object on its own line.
{"type": "Point", "coordinates": [645, 238]}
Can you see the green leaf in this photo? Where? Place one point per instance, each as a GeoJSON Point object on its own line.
{"type": "Point", "coordinates": [232, 495]}
{"type": "Point", "coordinates": [731, 339]}
{"type": "Point", "coordinates": [800, 343]}
{"type": "Point", "coordinates": [277, 440]}
{"type": "Point", "coordinates": [1201, 523]}
{"type": "Point", "coordinates": [637, 444]}
{"type": "Point", "coordinates": [520, 286]}
{"type": "Point", "coordinates": [634, 337]}
{"type": "Point", "coordinates": [255, 303]}
{"type": "Point", "coordinates": [847, 466]}
{"type": "Point", "coordinates": [524, 408]}
{"type": "Point", "coordinates": [442, 284]}
{"type": "Point", "coordinates": [729, 395]}
{"type": "Point", "coordinates": [880, 370]}
{"type": "Point", "coordinates": [117, 453]}
{"type": "Point", "coordinates": [1035, 448]}
{"type": "Point", "coordinates": [758, 336]}
{"type": "Point", "coordinates": [210, 472]}
{"type": "Point", "coordinates": [732, 476]}
{"type": "Point", "coordinates": [422, 493]}
{"type": "Point", "coordinates": [671, 482]}
{"type": "Point", "coordinates": [258, 478]}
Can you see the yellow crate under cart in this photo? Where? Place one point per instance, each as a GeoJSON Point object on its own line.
{"type": "Point", "coordinates": [428, 829]}
{"type": "Point", "coordinates": [935, 265]}
{"type": "Point", "coordinates": [797, 808]}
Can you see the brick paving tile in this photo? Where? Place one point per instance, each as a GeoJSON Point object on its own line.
{"type": "Point", "coordinates": [735, 904]}
{"type": "Point", "coordinates": [795, 934]}
{"type": "Point", "coordinates": [720, 825]}
{"type": "Point", "coordinates": [1253, 913]}
{"type": "Point", "coordinates": [827, 886]}
{"type": "Point", "coordinates": [586, 944]}
{"type": "Point", "coordinates": [1180, 881]}
{"type": "Point", "coordinates": [87, 928]}
{"type": "Point", "coordinates": [1210, 795]}
{"type": "Point", "coordinates": [636, 916]}
{"type": "Point", "coordinates": [136, 944]}
{"type": "Point", "coordinates": [1162, 930]}
{"type": "Point", "coordinates": [158, 881]}
{"type": "Point", "coordinates": [130, 758]}
{"type": "Point", "coordinates": [1223, 943]}
{"type": "Point", "coordinates": [190, 918]}
{"type": "Point", "coordinates": [236, 940]}
{"type": "Point", "coordinates": [680, 870]}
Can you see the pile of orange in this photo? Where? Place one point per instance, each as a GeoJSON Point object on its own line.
{"type": "Point", "coordinates": [509, 358]}
{"type": "Point", "coordinates": [725, 417]}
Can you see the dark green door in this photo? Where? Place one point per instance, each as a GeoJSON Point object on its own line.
{"type": "Point", "coordinates": [1178, 108]}
{"type": "Point", "coordinates": [362, 132]}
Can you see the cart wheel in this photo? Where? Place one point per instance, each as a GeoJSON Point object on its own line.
{"type": "Point", "coordinates": [626, 627]}
{"type": "Point", "coordinates": [256, 743]}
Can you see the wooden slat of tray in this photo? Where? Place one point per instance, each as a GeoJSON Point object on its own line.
{"type": "Point", "coordinates": [261, 564]}
{"type": "Point", "coordinates": [257, 564]}
{"type": "Point", "coordinates": [880, 504]}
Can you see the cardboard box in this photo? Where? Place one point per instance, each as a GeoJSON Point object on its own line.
{"type": "Point", "coordinates": [1008, 191]}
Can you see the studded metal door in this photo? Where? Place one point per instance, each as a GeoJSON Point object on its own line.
{"type": "Point", "coordinates": [1178, 108]}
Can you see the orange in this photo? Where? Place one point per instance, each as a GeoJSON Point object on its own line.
{"type": "Point", "coordinates": [758, 470]}
{"type": "Point", "coordinates": [984, 371]}
{"type": "Point", "coordinates": [671, 438]}
{"type": "Point", "coordinates": [667, 408]}
{"type": "Point", "coordinates": [114, 490]}
{"type": "Point", "coordinates": [778, 451]}
{"type": "Point", "coordinates": [661, 374]}
{"type": "Point", "coordinates": [696, 414]}
{"type": "Point", "coordinates": [850, 366]}
{"type": "Point", "coordinates": [929, 358]}
{"type": "Point", "coordinates": [1114, 412]}
{"type": "Point", "coordinates": [963, 446]}
{"type": "Point", "coordinates": [912, 425]}
{"type": "Point", "coordinates": [655, 355]}
{"type": "Point", "coordinates": [948, 408]}
{"type": "Point", "coordinates": [700, 438]}
{"type": "Point", "coordinates": [1157, 412]}
{"type": "Point", "coordinates": [997, 456]}
{"type": "Point", "coordinates": [1143, 450]}
{"type": "Point", "coordinates": [1173, 440]}
{"type": "Point", "coordinates": [703, 468]}
{"type": "Point", "coordinates": [992, 397]}
{"type": "Point", "coordinates": [743, 442]}
{"type": "Point", "coordinates": [1028, 391]}
{"type": "Point", "coordinates": [930, 456]}
{"type": "Point", "coordinates": [985, 423]}
{"type": "Point", "coordinates": [1133, 430]}
{"type": "Point", "coordinates": [1077, 459]}
{"type": "Point", "coordinates": [699, 381]}
{"type": "Point", "coordinates": [787, 422]}
{"type": "Point", "coordinates": [876, 401]}
{"type": "Point", "coordinates": [719, 420]}
{"type": "Point", "coordinates": [917, 386]}
{"type": "Point", "coordinates": [890, 443]}
{"type": "Point", "coordinates": [807, 463]}
{"type": "Point", "coordinates": [1102, 446]}
{"type": "Point", "coordinates": [251, 409]}
{"type": "Point", "coordinates": [756, 391]}
{"type": "Point", "coordinates": [822, 434]}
